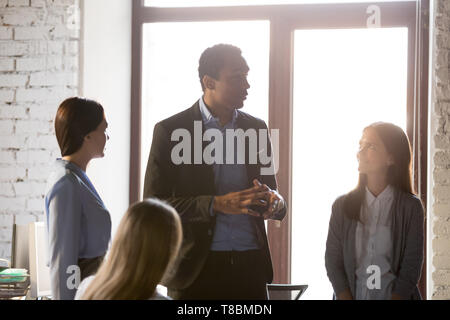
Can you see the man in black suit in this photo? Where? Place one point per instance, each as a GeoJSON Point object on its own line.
{"type": "Point", "coordinates": [222, 204]}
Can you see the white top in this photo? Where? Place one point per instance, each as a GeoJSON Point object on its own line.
{"type": "Point", "coordinates": [374, 247]}
{"type": "Point", "coordinates": [86, 282]}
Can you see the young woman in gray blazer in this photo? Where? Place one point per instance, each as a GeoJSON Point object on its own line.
{"type": "Point", "coordinates": [374, 248]}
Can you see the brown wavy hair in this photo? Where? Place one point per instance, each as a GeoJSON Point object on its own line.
{"type": "Point", "coordinates": [76, 118]}
{"type": "Point", "coordinates": [399, 174]}
{"type": "Point", "coordinates": [145, 246]}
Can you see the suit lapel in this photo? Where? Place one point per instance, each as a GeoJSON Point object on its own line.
{"type": "Point", "coordinates": [252, 169]}
{"type": "Point", "coordinates": [203, 172]}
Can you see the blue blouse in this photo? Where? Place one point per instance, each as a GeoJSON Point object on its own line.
{"type": "Point", "coordinates": [78, 225]}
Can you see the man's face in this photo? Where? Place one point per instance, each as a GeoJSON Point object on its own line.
{"type": "Point", "coordinates": [231, 87]}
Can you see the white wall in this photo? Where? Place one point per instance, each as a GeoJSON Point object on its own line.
{"type": "Point", "coordinates": [106, 77]}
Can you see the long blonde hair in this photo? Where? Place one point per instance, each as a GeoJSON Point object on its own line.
{"type": "Point", "coordinates": [146, 244]}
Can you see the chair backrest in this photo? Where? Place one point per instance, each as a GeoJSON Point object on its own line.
{"type": "Point", "coordinates": [286, 291]}
{"type": "Point", "coordinates": [39, 270]}
{"type": "Point", "coordinates": [20, 247]}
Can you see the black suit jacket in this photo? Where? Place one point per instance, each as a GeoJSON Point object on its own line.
{"type": "Point", "coordinates": [190, 189]}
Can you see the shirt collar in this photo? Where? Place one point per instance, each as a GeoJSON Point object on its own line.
{"type": "Point", "coordinates": [385, 195]}
{"type": "Point", "coordinates": [69, 165]}
{"type": "Point", "coordinates": [208, 117]}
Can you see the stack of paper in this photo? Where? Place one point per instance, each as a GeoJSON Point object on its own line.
{"type": "Point", "coordinates": [13, 275]}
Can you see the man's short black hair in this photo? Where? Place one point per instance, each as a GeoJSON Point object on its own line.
{"type": "Point", "coordinates": [214, 58]}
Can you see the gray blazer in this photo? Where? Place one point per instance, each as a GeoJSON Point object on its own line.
{"type": "Point", "coordinates": [407, 237]}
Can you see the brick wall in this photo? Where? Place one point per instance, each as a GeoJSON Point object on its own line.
{"type": "Point", "coordinates": [39, 57]}
{"type": "Point", "coordinates": [440, 155]}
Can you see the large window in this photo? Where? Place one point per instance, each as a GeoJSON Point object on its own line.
{"type": "Point", "coordinates": [319, 72]}
{"type": "Point", "coordinates": [335, 96]}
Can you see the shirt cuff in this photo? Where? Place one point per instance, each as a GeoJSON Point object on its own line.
{"type": "Point", "coordinates": [211, 210]}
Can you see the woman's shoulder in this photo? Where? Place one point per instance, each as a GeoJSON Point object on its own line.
{"type": "Point", "coordinates": [83, 286]}
{"type": "Point", "coordinates": [159, 294]}
{"type": "Point", "coordinates": [411, 201]}
{"type": "Point", "coordinates": [60, 181]}
{"type": "Point", "coordinates": [62, 177]}
{"type": "Point", "coordinates": [338, 204]}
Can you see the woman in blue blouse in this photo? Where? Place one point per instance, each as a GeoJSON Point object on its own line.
{"type": "Point", "coordinates": [78, 224]}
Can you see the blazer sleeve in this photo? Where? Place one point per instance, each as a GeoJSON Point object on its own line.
{"type": "Point", "coordinates": [411, 264]}
{"type": "Point", "coordinates": [64, 223]}
{"type": "Point", "coordinates": [159, 181]}
{"type": "Point", "coordinates": [334, 254]}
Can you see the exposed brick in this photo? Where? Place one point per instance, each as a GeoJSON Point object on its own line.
{"type": "Point", "coordinates": [6, 95]}
{"type": "Point", "coordinates": [18, 3]}
{"type": "Point", "coordinates": [25, 219]}
{"type": "Point", "coordinates": [32, 33]}
{"type": "Point", "coordinates": [12, 141]}
{"type": "Point", "coordinates": [6, 65]}
{"type": "Point", "coordinates": [12, 173]}
{"type": "Point", "coordinates": [29, 188]}
{"type": "Point", "coordinates": [47, 142]}
{"type": "Point", "coordinates": [40, 95]}
{"type": "Point", "coordinates": [441, 246]}
{"type": "Point", "coordinates": [441, 277]}
{"type": "Point", "coordinates": [6, 234]}
{"type": "Point", "coordinates": [71, 48]}
{"type": "Point", "coordinates": [6, 189]}
{"type": "Point", "coordinates": [440, 111]}
{"type": "Point", "coordinates": [20, 16]}
{"type": "Point", "coordinates": [32, 127]}
{"type": "Point", "coordinates": [30, 64]}
{"type": "Point", "coordinates": [38, 3]}
{"type": "Point", "coordinates": [43, 112]}
{"type": "Point", "coordinates": [441, 210]}
{"type": "Point", "coordinates": [13, 112]}
{"type": "Point", "coordinates": [6, 127]}
{"type": "Point", "coordinates": [6, 220]}
{"type": "Point", "coordinates": [38, 173]}
{"type": "Point", "coordinates": [13, 48]}
{"type": "Point", "coordinates": [5, 250]}
{"type": "Point", "coordinates": [13, 80]}
{"type": "Point", "coordinates": [441, 193]}
{"type": "Point", "coordinates": [7, 157]}
{"type": "Point", "coordinates": [6, 33]}
{"type": "Point", "coordinates": [36, 204]}
{"type": "Point", "coordinates": [33, 156]}
{"type": "Point", "coordinates": [441, 262]}
{"type": "Point", "coordinates": [53, 79]}
{"type": "Point", "coordinates": [12, 204]}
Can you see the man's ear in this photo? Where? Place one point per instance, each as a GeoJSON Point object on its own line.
{"type": "Point", "coordinates": [209, 83]}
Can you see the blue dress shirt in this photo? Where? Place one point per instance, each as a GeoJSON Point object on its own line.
{"type": "Point", "coordinates": [232, 232]}
{"type": "Point", "coordinates": [78, 224]}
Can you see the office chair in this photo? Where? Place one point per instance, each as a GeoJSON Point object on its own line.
{"type": "Point", "coordinates": [286, 291]}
